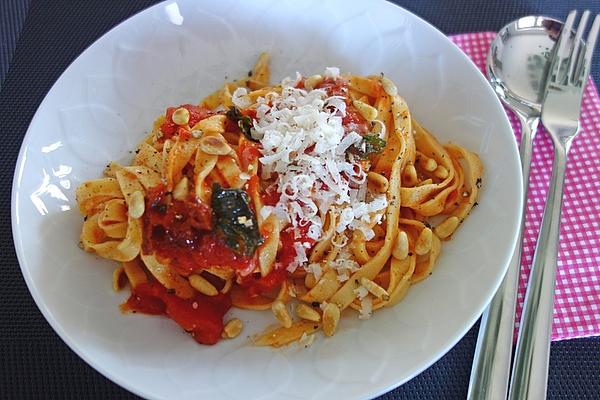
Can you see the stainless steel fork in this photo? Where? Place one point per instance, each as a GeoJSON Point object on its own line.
{"type": "Point", "coordinates": [567, 77]}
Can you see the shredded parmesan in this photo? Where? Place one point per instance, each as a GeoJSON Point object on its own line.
{"type": "Point", "coordinates": [300, 258]}
{"type": "Point", "coordinates": [315, 269]}
{"type": "Point", "coordinates": [240, 98]}
{"type": "Point", "coordinates": [306, 340]}
{"type": "Point", "coordinates": [366, 308]}
{"type": "Point", "coordinates": [304, 146]}
{"type": "Point", "coordinates": [344, 265]}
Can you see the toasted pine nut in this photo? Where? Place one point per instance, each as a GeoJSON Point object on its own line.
{"type": "Point", "coordinates": [202, 285]}
{"type": "Point", "coordinates": [310, 281]}
{"type": "Point", "coordinates": [331, 317]}
{"type": "Point", "coordinates": [446, 227]}
{"type": "Point", "coordinates": [374, 288]}
{"type": "Point", "coordinates": [312, 81]}
{"type": "Point", "coordinates": [428, 164]}
{"type": "Point", "coordinates": [366, 110]}
{"type": "Point", "coordinates": [410, 175]}
{"type": "Point", "coordinates": [423, 244]}
{"type": "Point", "coordinates": [389, 87]}
{"type": "Point", "coordinates": [181, 116]}
{"type": "Point", "coordinates": [180, 191]}
{"type": "Point", "coordinates": [308, 313]}
{"type": "Point", "coordinates": [441, 172]}
{"type": "Point", "coordinates": [281, 313]}
{"type": "Point", "coordinates": [400, 250]}
{"type": "Point", "coordinates": [214, 145]}
{"type": "Point", "coordinates": [137, 206]}
{"type": "Point", "coordinates": [232, 328]}
{"type": "Point", "coordinates": [377, 182]}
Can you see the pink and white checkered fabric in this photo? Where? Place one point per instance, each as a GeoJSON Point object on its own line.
{"type": "Point", "coordinates": [577, 296]}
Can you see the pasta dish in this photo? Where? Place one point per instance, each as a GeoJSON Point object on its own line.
{"type": "Point", "coordinates": [309, 198]}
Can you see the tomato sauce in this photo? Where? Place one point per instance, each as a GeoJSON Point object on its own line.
{"type": "Point", "coordinates": [257, 285]}
{"type": "Point", "coordinates": [248, 152]}
{"type": "Point", "coordinates": [334, 87]}
{"type": "Point", "coordinates": [353, 120]}
{"type": "Point", "coordinates": [197, 114]}
{"type": "Point", "coordinates": [182, 231]}
{"type": "Point", "coordinates": [201, 316]}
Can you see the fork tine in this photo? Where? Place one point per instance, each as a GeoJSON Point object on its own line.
{"type": "Point", "coordinates": [586, 62]}
{"type": "Point", "coordinates": [575, 56]}
{"type": "Point", "coordinates": [559, 50]}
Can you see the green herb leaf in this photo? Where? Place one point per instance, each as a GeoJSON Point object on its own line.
{"type": "Point", "coordinates": [371, 144]}
{"type": "Point", "coordinates": [235, 220]}
{"type": "Point", "coordinates": [243, 121]}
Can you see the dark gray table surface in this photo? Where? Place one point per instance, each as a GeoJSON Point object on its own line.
{"type": "Point", "coordinates": [38, 40]}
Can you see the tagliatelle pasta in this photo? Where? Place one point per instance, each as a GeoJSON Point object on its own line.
{"type": "Point", "coordinates": [308, 198]}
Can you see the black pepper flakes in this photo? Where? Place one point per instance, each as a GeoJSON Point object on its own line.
{"type": "Point", "coordinates": [250, 73]}
{"type": "Point", "coordinates": [315, 304]}
{"type": "Point", "coordinates": [478, 183]}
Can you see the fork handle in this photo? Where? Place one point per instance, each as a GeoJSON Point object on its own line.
{"type": "Point", "coordinates": [530, 368]}
{"type": "Point", "coordinates": [491, 361]}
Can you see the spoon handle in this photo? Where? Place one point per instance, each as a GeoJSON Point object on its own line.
{"type": "Point", "coordinates": [530, 370]}
{"type": "Point", "coordinates": [491, 361]}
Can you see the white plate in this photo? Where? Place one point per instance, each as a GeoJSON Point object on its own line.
{"type": "Point", "coordinates": [177, 52]}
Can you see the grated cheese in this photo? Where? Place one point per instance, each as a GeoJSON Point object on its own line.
{"type": "Point", "coordinates": [366, 302]}
{"type": "Point", "coordinates": [315, 269]}
{"type": "Point", "coordinates": [306, 340]}
{"type": "Point", "coordinates": [304, 145]}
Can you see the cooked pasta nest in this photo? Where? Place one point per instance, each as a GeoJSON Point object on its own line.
{"type": "Point", "coordinates": [366, 264]}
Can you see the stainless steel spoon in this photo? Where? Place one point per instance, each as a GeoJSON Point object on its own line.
{"type": "Point", "coordinates": [517, 66]}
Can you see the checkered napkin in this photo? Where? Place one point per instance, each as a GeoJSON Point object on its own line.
{"type": "Point", "coordinates": [577, 296]}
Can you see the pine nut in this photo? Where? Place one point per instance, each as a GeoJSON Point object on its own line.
{"type": "Point", "coordinates": [400, 250]}
{"type": "Point", "coordinates": [281, 313]}
{"type": "Point", "coordinates": [428, 164]}
{"type": "Point", "coordinates": [377, 182]}
{"type": "Point", "coordinates": [202, 285]}
{"type": "Point", "coordinates": [181, 116]}
{"type": "Point", "coordinates": [312, 81]}
{"type": "Point", "coordinates": [331, 318]}
{"type": "Point", "coordinates": [137, 205]}
{"type": "Point", "coordinates": [389, 87]}
{"type": "Point", "coordinates": [446, 227]}
{"type": "Point", "coordinates": [232, 328]}
{"type": "Point", "coordinates": [441, 172]}
{"type": "Point", "coordinates": [374, 288]}
{"type": "Point", "coordinates": [310, 280]}
{"type": "Point", "coordinates": [308, 313]}
{"type": "Point", "coordinates": [410, 175]}
{"type": "Point", "coordinates": [423, 244]}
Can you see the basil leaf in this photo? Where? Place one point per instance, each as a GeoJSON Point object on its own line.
{"type": "Point", "coordinates": [235, 220]}
{"type": "Point", "coordinates": [243, 121]}
{"type": "Point", "coordinates": [371, 144]}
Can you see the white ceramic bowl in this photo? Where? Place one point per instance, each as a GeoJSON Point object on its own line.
{"type": "Point", "coordinates": [179, 51]}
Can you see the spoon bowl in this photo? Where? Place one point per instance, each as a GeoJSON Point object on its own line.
{"type": "Point", "coordinates": [518, 62]}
